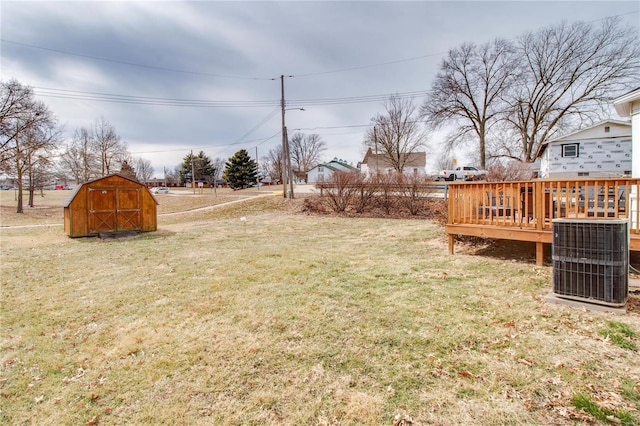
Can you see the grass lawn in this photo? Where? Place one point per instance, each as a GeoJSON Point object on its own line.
{"type": "Point", "coordinates": [291, 319]}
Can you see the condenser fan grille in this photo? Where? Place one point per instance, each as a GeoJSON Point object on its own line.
{"type": "Point", "coordinates": [591, 260]}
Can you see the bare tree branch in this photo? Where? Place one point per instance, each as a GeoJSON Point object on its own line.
{"type": "Point", "coordinates": [469, 90]}
{"type": "Point", "coordinates": [398, 133]}
{"type": "Point", "coordinates": [568, 74]}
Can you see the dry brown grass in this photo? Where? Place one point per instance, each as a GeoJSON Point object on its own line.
{"type": "Point", "coordinates": [292, 319]}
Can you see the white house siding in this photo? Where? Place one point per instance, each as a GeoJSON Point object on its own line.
{"type": "Point", "coordinates": [628, 105]}
{"type": "Point", "coordinates": [323, 172]}
{"type": "Point", "coordinates": [599, 153]}
{"type": "Point", "coordinates": [317, 174]}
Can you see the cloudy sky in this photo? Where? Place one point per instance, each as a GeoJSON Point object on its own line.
{"type": "Point", "coordinates": [205, 75]}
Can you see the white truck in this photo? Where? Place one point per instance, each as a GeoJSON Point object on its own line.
{"type": "Point", "coordinates": [463, 173]}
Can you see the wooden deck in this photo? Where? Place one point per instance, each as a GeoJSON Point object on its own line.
{"type": "Point", "coordinates": [524, 211]}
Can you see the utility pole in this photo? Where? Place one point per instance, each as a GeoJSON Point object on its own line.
{"type": "Point", "coordinates": [375, 141]}
{"type": "Point", "coordinates": [285, 145]}
{"type": "Point", "coordinates": [288, 164]}
{"type": "Point", "coordinates": [257, 170]}
{"type": "Point", "coordinates": [193, 174]}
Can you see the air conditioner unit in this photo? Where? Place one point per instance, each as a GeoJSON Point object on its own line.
{"type": "Point", "coordinates": [591, 260]}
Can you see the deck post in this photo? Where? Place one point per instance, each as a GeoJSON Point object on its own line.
{"type": "Point", "coordinates": [452, 242]}
{"type": "Point", "coordinates": [539, 209]}
{"type": "Point", "coordinates": [539, 253]}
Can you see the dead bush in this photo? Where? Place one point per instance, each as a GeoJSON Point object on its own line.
{"type": "Point", "coordinates": [509, 171]}
{"type": "Point", "coordinates": [412, 192]}
{"type": "Point", "coordinates": [365, 196]}
{"type": "Point", "coordinates": [340, 194]}
{"type": "Point", "coordinates": [386, 197]}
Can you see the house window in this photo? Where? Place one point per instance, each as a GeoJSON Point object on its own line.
{"type": "Point", "coordinates": [320, 169]}
{"type": "Point", "coordinates": [583, 173]}
{"type": "Point", "coordinates": [570, 150]}
{"type": "Point", "coordinates": [607, 129]}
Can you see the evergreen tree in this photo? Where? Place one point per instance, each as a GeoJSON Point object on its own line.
{"type": "Point", "coordinates": [240, 171]}
{"type": "Point", "coordinates": [127, 170]}
{"type": "Point", "coordinates": [202, 168]}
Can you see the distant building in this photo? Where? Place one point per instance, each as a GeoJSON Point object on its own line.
{"type": "Point", "coordinates": [323, 172]}
{"type": "Point", "coordinates": [602, 150]}
{"type": "Point", "coordinates": [379, 163]}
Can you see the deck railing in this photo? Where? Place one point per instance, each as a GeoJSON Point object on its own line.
{"type": "Point", "coordinates": [534, 204]}
{"type": "Point", "coordinates": [525, 210]}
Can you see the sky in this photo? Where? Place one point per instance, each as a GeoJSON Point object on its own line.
{"type": "Point", "coordinates": [205, 75]}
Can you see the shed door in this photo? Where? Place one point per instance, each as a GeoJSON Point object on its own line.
{"type": "Point", "coordinates": [129, 209]}
{"type": "Point", "coordinates": [113, 209]}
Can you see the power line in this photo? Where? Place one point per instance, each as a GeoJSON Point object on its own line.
{"type": "Point", "coordinates": [98, 58]}
{"type": "Point", "coordinates": [147, 100]}
{"type": "Point", "coordinates": [203, 103]}
{"type": "Point", "coordinates": [311, 74]}
{"type": "Point", "coordinates": [257, 126]}
{"type": "Point", "coordinates": [380, 64]}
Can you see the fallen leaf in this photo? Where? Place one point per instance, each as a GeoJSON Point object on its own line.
{"type": "Point", "coordinates": [614, 420]}
{"type": "Point", "coordinates": [93, 421]}
{"type": "Point", "coordinates": [526, 362]}
{"type": "Point", "coordinates": [465, 373]}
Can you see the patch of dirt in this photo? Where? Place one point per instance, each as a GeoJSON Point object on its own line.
{"type": "Point", "coordinates": [521, 251]}
{"type": "Point", "coordinates": [633, 304]}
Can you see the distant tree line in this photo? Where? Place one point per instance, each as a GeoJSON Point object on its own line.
{"type": "Point", "coordinates": [33, 151]}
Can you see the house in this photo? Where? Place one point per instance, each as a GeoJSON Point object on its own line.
{"type": "Point", "coordinates": [628, 105]}
{"type": "Point", "coordinates": [323, 172]}
{"type": "Point", "coordinates": [379, 163]}
{"type": "Point", "coordinates": [110, 204]}
{"type": "Point", "coordinates": [601, 150]}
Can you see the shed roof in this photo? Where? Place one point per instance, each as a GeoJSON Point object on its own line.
{"type": "Point", "coordinates": [79, 187]}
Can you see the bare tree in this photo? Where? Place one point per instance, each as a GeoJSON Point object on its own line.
{"type": "Point", "coordinates": [107, 146]}
{"type": "Point", "coordinates": [271, 164]}
{"type": "Point", "coordinates": [398, 133]}
{"type": "Point", "coordinates": [568, 73]}
{"type": "Point", "coordinates": [217, 166]}
{"type": "Point", "coordinates": [444, 161]}
{"type": "Point", "coordinates": [19, 111]}
{"type": "Point", "coordinates": [144, 170]}
{"type": "Point", "coordinates": [468, 92]}
{"type": "Point", "coordinates": [40, 144]}
{"type": "Point", "coordinates": [26, 129]}
{"type": "Point", "coordinates": [78, 158]}
{"type": "Point", "coordinates": [306, 151]}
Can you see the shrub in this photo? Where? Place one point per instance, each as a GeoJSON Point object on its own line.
{"type": "Point", "coordinates": [342, 191]}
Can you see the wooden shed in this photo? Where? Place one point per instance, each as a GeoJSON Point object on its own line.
{"type": "Point", "coordinates": [110, 204]}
